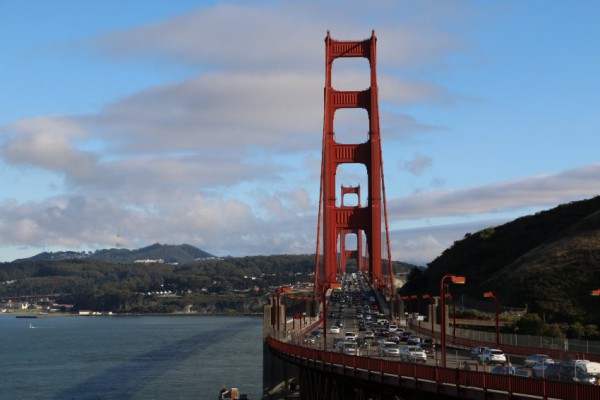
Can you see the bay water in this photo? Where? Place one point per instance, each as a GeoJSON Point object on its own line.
{"type": "Point", "coordinates": [129, 357]}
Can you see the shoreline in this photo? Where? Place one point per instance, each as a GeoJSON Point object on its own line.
{"type": "Point", "coordinates": [58, 315]}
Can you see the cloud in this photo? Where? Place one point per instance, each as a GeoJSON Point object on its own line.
{"type": "Point", "coordinates": [227, 158]}
{"type": "Point", "coordinates": [537, 191]}
{"type": "Point", "coordinates": [418, 164]}
{"type": "Point", "coordinates": [48, 143]}
{"type": "Point", "coordinates": [266, 37]}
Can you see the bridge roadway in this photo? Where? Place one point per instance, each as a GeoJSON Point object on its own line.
{"type": "Point", "coordinates": [326, 374]}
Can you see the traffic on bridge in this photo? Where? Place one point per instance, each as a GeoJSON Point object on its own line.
{"type": "Point", "coordinates": [356, 339]}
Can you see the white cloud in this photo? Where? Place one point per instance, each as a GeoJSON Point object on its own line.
{"type": "Point", "coordinates": [538, 191]}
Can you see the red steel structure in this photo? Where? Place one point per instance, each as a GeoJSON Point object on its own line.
{"type": "Point", "coordinates": [338, 220]}
{"type": "Point", "coordinates": [346, 254]}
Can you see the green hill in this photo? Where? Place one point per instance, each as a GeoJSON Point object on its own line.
{"type": "Point", "coordinates": [170, 254]}
{"type": "Point", "coordinates": [548, 262]}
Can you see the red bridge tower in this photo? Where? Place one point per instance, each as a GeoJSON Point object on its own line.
{"type": "Point", "coordinates": [337, 221]}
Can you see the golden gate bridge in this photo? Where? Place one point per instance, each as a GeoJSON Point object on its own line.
{"type": "Point", "coordinates": [311, 373]}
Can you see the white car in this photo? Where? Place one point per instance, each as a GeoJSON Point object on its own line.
{"type": "Point", "coordinates": [492, 356]}
{"type": "Point", "coordinates": [393, 328]}
{"type": "Point", "coordinates": [388, 349]}
{"type": "Point", "coordinates": [350, 336]}
{"type": "Point", "coordinates": [334, 329]}
{"type": "Point", "coordinates": [413, 353]}
{"type": "Point", "coordinates": [350, 348]}
{"type": "Point", "coordinates": [536, 359]}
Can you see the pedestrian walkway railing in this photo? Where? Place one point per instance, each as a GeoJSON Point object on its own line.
{"type": "Point", "coordinates": [474, 380]}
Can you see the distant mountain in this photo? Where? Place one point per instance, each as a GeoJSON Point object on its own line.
{"type": "Point", "coordinates": [548, 262]}
{"type": "Point", "coordinates": [166, 253]}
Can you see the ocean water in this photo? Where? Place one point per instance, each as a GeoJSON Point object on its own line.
{"type": "Point", "coordinates": [133, 357]}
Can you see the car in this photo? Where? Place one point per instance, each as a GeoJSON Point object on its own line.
{"type": "Point", "coordinates": [334, 329]}
{"type": "Point", "coordinates": [350, 336]}
{"type": "Point", "coordinates": [413, 339]}
{"type": "Point", "coordinates": [413, 353]}
{"type": "Point", "coordinates": [350, 348]}
{"type": "Point", "coordinates": [361, 343]}
{"type": "Point", "coordinates": [574, 372]}
{"type": "Point", "coordinates": [492, 356]}
{"type": "Point", "coordinates": [309, 339]}
{"type": "Point", "coordinates": [369, 335]}
{"type": "Point", "coordinates": [337, 343]}
{"type": "Point", "coordinates": [428, 348]}
{"type": "Point", "coordinates": [589, 367]}
{"type": "Point", "coordinates": [388, 349]}
{"type": "Point", "coordinates": [393, 328]}
{"type": "Point", "coordinates": [536, 359]}
{"type": "Point", "coordinates": [546, 369]}
{"type": "Point", "coordinates": [503, 370]}
{"type": "Point", "coordinates": [393, 338]}
{"type": "Point", "coordinates": [316, 334]}
{"type": "Point", "coordinates": [476, 352]}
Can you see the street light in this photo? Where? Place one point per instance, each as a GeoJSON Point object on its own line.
{"type": "Point", "coordinates": [595, 292]}
{"type": "Point", "coordinates": [277, 308]}
{"type": "Point", "coordinates": [453, 279]}
{"type": "Point", "coordinates": [495, 297]}
{"type": "Point", "coordinates": [449, 295]}
{"type": "Point", "coordinates": [414, 296]}
{"type": "Point", "coordinates": [406, 300]}
{"type": "Point", "coordinates": [430, 312]}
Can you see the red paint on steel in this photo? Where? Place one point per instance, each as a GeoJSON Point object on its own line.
{"type": "Point", "coordinates": [337, 220]}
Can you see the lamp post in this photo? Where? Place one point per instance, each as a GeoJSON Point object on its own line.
{"type": "Point", "coordinates": [278, 292]}
{"type": "Point", "coordinates": [495, 297]}
{"type": "Point", "coordinates": [449, 295]}
{"type": "Point", "coordinates": [453, 279]}
{"type": "Point", "coordinates": [430, 312]}
{"type": "Point", "coordinates": [414, 296]}
{"type": "Point", "coordinates": [595, 292]}
{"type": "Point", "coordinates": [406, 308]}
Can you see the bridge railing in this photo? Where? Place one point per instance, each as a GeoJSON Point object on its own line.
{"type": "Point", "coordinates": [559, 349]}
{"type": "Point", "coordinates": [537, 388]}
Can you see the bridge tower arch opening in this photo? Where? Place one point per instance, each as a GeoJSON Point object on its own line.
{"type": "Point", "coordinates": [355, 236]}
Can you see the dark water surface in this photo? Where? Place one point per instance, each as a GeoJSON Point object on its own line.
{"type": "Point", "coordinates": [154, 357]}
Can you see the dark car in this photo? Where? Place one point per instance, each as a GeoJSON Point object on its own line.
{"type": "Point", "coordinates": [547, 371]}
{"type": "Point", "coordinates": [476, 352]}
{"type": "Point", "coordinates": [503, 370]}
{"type": "Point", "coordinates": [571, 374]}
{"type": "Point", "coordinates": [429, 349]}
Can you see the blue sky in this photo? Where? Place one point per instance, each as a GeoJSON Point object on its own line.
{"type": "Point", "coordinates": [201, 122]}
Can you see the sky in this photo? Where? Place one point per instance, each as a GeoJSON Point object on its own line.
{"type": "Point", "coordinates": [200, 122]}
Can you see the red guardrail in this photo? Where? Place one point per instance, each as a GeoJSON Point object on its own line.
{"type": "Point", "coordinates": [539, 388]}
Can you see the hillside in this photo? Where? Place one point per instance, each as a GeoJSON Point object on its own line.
{"type": "Point", "coordinates": [170, 254]}
{"type": "Point", "coordinates": [548, 262]}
